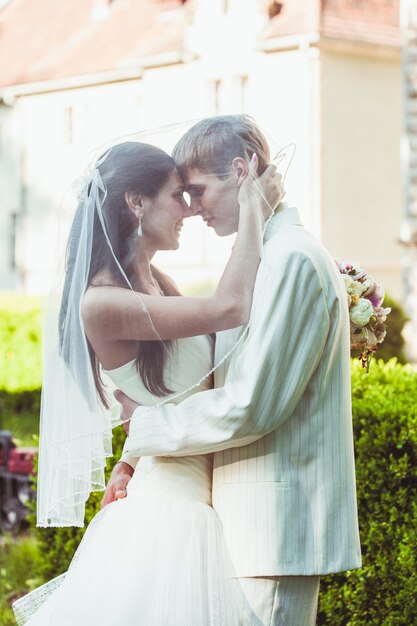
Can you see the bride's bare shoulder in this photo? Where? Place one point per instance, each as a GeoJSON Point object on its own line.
{"type": "Point", "coordinates": [100, 296]}
{"type": "Point", "coordinates": [102, 313]}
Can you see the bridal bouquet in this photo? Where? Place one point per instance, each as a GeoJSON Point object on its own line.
{"type": "Point", "coordinates": [367, 316]}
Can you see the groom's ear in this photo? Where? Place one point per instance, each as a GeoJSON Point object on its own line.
{"type": "Point", "coordinates": [240, 169]}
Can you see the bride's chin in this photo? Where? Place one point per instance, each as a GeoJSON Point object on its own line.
{"type": "Point", "coordinates": [174, 244]}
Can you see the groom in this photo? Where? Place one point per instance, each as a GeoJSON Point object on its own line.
{"type": "Point", "coordinates": [279, 419]}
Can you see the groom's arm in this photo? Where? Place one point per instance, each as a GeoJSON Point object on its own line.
{"type": "Point", "coordinates": [128, 457]}
{"type": "Point", "coordinates": [286, 340]}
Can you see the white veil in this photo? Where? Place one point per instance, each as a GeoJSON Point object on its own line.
{"type": "Point", "coordinates": [76, 426]}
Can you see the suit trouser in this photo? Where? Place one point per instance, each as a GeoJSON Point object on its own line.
{"type": "Point", "coordinates": [283, 600]}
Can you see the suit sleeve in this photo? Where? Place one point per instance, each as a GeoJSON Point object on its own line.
{"type": "Point", "coordinates": [128, 457]}
{"type": "Point", "coordinates": [288, 331]}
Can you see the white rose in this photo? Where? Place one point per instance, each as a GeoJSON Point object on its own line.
{"type": "Point", "coordinates": [361, 313]}
{"type": "Point", "coordinates": [368, 284]}
{"type": "Point", "coordinates": [353, 287]}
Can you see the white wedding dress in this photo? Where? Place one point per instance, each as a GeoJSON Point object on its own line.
{"type": "Point", "coordinates": [156, 557]}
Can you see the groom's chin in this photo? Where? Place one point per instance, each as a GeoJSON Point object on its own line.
{"type": "Point", "coordinates": [223, 230]}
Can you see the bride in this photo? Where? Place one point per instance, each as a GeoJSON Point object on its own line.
{"type": "Point", "coordinates": [156, 557]}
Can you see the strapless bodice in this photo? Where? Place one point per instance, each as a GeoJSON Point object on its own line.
{"type": "Point", "coordinates": [187, 361]}
{"type": "Point", "coordinates": [189, 476]}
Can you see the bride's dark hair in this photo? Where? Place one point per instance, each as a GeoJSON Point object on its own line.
{"type": "Point", "coordinates": [127, 167]}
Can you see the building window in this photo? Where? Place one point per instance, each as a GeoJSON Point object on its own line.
{"type": "Point", "coordinates": [68, 125]}
{"type": "Point", "coordinates": [76, 127]}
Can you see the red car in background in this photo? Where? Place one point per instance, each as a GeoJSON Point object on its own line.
{"type": "Point", "coordinates": [16, 491]}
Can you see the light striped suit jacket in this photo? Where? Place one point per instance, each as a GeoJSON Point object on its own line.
{"type": "Point", "coordinates": [279, 419]}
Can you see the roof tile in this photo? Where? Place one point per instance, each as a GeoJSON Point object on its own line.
{"type": "Point", "coordinates": [46, 40]}
{"type": "Point", "coordinates": [369, 21]}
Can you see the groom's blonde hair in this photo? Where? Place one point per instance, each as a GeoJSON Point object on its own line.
{"type": "Point", "coordinates": [211, 145]}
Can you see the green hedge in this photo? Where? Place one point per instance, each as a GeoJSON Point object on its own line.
{"type": "Point", "coordinates": [385, 425]}
{"type": "Point", "coordinates": [20, 341]}
{"type": "Point", "coordinates": [19, 413]}
{"type": "Point", "coordinates": [383, 592]}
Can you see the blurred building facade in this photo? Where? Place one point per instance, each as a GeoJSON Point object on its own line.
{"type": "Point", "coordinates": [409, 158]}
{"type": "Point", "coordinates": [323, 74]}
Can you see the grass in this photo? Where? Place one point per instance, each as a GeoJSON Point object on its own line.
{"type": "Point", "coordinates": [19, 556]}
{"type": "Point", "coordinates": [19, 560]}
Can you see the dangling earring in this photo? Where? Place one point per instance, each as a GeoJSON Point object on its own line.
{"type": "Point", "coordinates": [140, 226]}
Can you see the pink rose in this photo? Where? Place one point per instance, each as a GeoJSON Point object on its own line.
{"type": "Point", "coordinates": [375, 295]}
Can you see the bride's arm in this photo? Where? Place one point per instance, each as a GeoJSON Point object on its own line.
{"type": "Point", "coordinates": [121, 314]}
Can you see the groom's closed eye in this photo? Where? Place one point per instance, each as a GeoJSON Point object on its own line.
{"type": "Point", "coordinates": [195, 191]}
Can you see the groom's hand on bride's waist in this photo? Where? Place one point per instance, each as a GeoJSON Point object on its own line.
{"type": "Point", "coordinates": [116, 487]}
{"type": "Point", "coordinates": [122, 472]}
{"type": "Point", "coordinates": [128, 408]}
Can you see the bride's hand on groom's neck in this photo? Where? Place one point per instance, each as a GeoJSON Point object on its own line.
{"type": "Point", "coordinates": [266, 191]}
